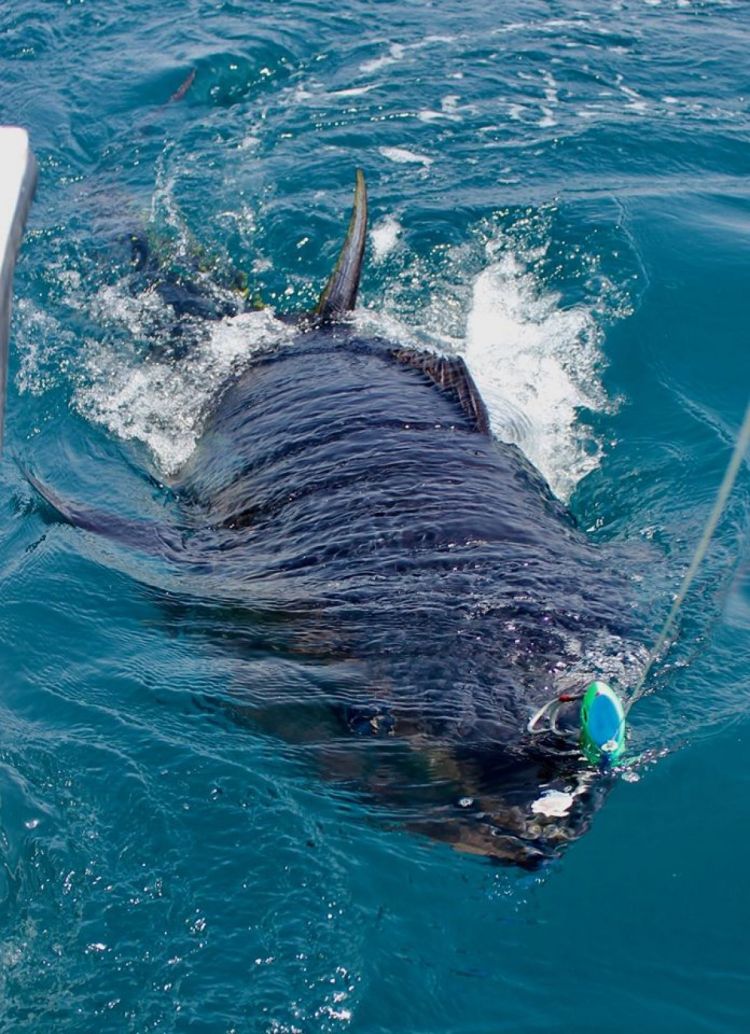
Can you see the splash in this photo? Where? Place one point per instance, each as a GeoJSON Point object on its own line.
{"type": "Point", "coordinates": [536, 365]}
{"type": "Point", "coordinates": [384, 237]}
{"type": "Point", "coordinates": [537, 362]}
{"type": "Point", "coordinates": [163, 403]}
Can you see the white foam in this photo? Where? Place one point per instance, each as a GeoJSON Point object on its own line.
{"type": "Point", "coordinates": [249, 142]}
{"type": "Point", "coordinates": [449, 111]}
{"type": "Point", "coordinates": [353, 91]}
{"type": "Point", "coordinates": [635, 101]}
{"type": "Point", "coordinates": [552, 100]}
{"type": "Point", "coordinates": [398, 51]}
{"type": "Point", "coordinates": [395, 53]}
{"type": "Point", "coordinates": [536, 363]}
{"type": "Point", "coordinates": [402, 156]}
{"type": "Point", "coordinates": [163, 403]}
{"type": "Point", "coordinates": [550, 91]}
{"type": "Point", "coordinates": [535, 366]}
{"type": "Point", "coordinates": [40, 361]}
{"type": "Point", "coordinates": [384, 237]}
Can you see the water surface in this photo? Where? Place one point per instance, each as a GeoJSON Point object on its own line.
{"type": "Point", "coordinates": [559, 193]}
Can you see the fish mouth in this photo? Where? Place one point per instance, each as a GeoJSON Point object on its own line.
{"type": "Point", "coordinates": [531, 850]}
{"type": "Point", "coordinates": [526, 835]}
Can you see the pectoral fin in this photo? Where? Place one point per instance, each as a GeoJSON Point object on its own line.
{"type": "Point", "coordinates": [146, 536]}
{"type": "Point", "coordinates": [340, 293]}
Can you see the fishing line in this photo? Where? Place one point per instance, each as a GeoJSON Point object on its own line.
{"type": "Point", "coordinates": [603, 713]}
{"type": "Point", "coordinates": [725, 489]}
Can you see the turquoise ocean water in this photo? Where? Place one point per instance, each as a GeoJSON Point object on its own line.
{"type": "Point", "coordinates": [560, 193]}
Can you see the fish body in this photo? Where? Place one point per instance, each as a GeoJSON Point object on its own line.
{"type": "Point", "coordinates": [395, 590]}
{"type": "Point", "coordinates": [425, 586]}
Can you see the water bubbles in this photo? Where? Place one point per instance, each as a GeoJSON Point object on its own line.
{"type": "Point", "coordinates": [384, 237]}
{"type": "Point", "coordinates": [162, 403]}
{"type": "Point", "coordinates": [535, 366]}
{"type": "Point", "coordinates": [536, 360]}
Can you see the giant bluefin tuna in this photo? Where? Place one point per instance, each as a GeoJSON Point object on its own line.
{"type": "Point", "coordinates": [396, 589]}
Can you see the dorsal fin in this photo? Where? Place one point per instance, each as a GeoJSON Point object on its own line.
{"type": "Point", "coordinates": [340, 293]}
{"type": "Point", "coordinates": [451, 375]}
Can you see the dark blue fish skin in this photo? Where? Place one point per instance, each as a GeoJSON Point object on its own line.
{"type": "Point", "coordinates": [421, 586]}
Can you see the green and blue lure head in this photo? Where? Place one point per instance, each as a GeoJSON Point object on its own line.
{"type": "Point", "coordinates": [602, 738]}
